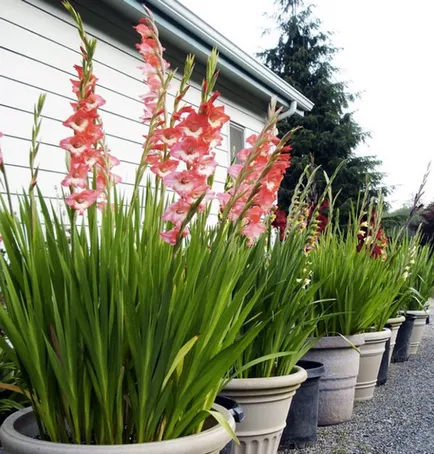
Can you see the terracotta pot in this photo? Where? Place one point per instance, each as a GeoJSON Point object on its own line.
{"type": "Point", "coordinates": [393, 324]}
{"type": "Point", "coordinates": [18, 431]}
{"type": "Point", "coordinates": [418, 329]}
{"type": "Point", "coordinates": [371, 353]}
{"type": "Point", "coordinates": [266, 403]}
{"type": "Point", "coordinates": [337, 385]}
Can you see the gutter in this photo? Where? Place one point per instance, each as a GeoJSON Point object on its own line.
{"type": "Point", "coordinates": [177, 21]}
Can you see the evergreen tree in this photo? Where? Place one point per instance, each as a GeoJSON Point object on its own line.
{"type": "Point", "coordinates": [303, 57]}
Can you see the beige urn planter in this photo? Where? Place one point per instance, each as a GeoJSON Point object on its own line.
{"type": "Point", "coordinates": [18, 431]}
{"type": "Point", "coordinates": [337, 385]}
{"type": "Point", "coordinates": [394, 324]}
{"type": "Point", "coordinates": [371, 353]}
{"type": "Point", "coordinates": [418, 329]}
{"type": "Point", "coordinates": [266, 403]}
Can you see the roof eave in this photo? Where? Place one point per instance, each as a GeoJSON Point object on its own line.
{"type": "Point", "coordinates": [175, 19]}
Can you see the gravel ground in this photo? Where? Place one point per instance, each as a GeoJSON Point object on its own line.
{"type": "Point", "coordinates": [400, 418]}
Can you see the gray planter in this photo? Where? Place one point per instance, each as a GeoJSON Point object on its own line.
{"type": "Point", "coordinates": [418, 329]}
{"type": "Point", "coordinates": [371, 354]}
{"type": "Point", "coordinates": [337, 385]}
{"type": "Point", "coordinates": [18, 431]}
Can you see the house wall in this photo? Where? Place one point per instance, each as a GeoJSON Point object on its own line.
{"type": "Point", "coordinates": [39, 46]}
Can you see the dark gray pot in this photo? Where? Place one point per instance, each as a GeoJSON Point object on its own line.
{"type": "Point", "coordinates": [384, 366]}
{"type": "Point", "coordinates": [302, 421]}
{"type": "Point", "coordinates": [401, 352]}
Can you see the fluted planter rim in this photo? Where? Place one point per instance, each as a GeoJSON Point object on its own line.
{"type": "Point", "coordinates": [380, 336]}
{"type": "Point", "coordinates": [340, 342]}
{"type": "Point", "coordinates": [396, 320]}
{"type": "Point", "coordinates": [297, 376]}
{"type": "Point", "coordinates": [209, 441]}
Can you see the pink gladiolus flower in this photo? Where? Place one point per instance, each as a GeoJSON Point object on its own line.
{"type": "Point", "coordinates": [212, 137]}
{"type": "Point", "coordinates": [235, 169]}
{"type": "Point", "coordinates": [177, 212]}
{"type": "Point", "coordinates": [143, 30]}
{"type": "Point", "coordinates": [197, 192]}
{"type": "Point", "coordinates": [251, 140]}
{"type": "Point", "coordinates": [169, 136]}
{"type": "Point", "coordinates": [76, 145]}
{"type": "Point", "coordinates": [244, 153]}
{"type": "Point", "coordinates": [81, 201]}
{"type": "Point", "coordinates": [171, 235]}
{"type": "Point", "coordinates": [183, 183]}
{"type": "Point", "coordinates": [189, 150]}
{"type": "Point", "coordinates": [93, 101]}
{"type": "Point", "coordinates": [206, 166]}
{"type": "Point", "coordinates": [194, 125]}
{"type": "Point", "coordinates": [77, 176]}
{"type": "Point", "coordinates": [80, 121]}
{"type": "Point", "coordinates": [216, 115]}
{"type": "Point", "coordinates": [164, 168]}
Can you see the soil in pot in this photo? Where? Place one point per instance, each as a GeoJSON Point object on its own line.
{"type": "Point", "coordinates": [401, 351]}
{"type": "Point", "coordinates": [19, 431]}
{"type": "Point", "coordinates": [337, 385]}
{"type": "Point", "coordinates": [302, 420]}
{"type": "Point", "coordinates": [266, 403]}
{"type": "Point", "coordinates": [418, 330]}
{"type": "Point", "coordinates": [371, 353]}
{"type": "Point", "coordinates": [384, 366]}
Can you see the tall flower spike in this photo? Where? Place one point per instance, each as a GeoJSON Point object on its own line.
{"type": "Point", "coordinates": [88, 151]}
{"type": "Point", "coordinates": [254, 182]}
{"type": "Point", "coordinates": [179, 149]}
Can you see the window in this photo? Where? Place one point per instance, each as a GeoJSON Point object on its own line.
{"type": "Point", "coordinates": [236, 140]}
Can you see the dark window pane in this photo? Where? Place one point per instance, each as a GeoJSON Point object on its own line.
{"type": "Point", "coordinates": [236, 140]}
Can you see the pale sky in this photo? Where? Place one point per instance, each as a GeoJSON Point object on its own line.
{"type": "Point", "coordinates": [388, 51]}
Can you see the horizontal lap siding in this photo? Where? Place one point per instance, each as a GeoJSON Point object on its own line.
{"type": "Point", "coordinates": [38, 48]}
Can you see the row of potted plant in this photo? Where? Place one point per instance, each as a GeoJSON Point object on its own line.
{"type": "Point", "coordinates": [131, 317]}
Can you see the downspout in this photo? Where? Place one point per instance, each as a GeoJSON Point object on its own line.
{"type": "Point", "coordinates": [290, 112]}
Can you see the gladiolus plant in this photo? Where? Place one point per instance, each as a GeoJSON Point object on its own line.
{"type": "Point", "coordinates": [125, 318]}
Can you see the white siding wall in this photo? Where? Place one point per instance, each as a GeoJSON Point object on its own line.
{"type": "Point", "coordinates": [38, 48]}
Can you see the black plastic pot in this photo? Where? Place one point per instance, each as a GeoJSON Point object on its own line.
{"type": "Point", "coordinates": [236, 411]}
{"type": "Point", "coordinates": [384, 366]}
{"type": "Point", "coordinates": [302, 420]}
{"type": "Point", "coordinates": [401, 352]}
